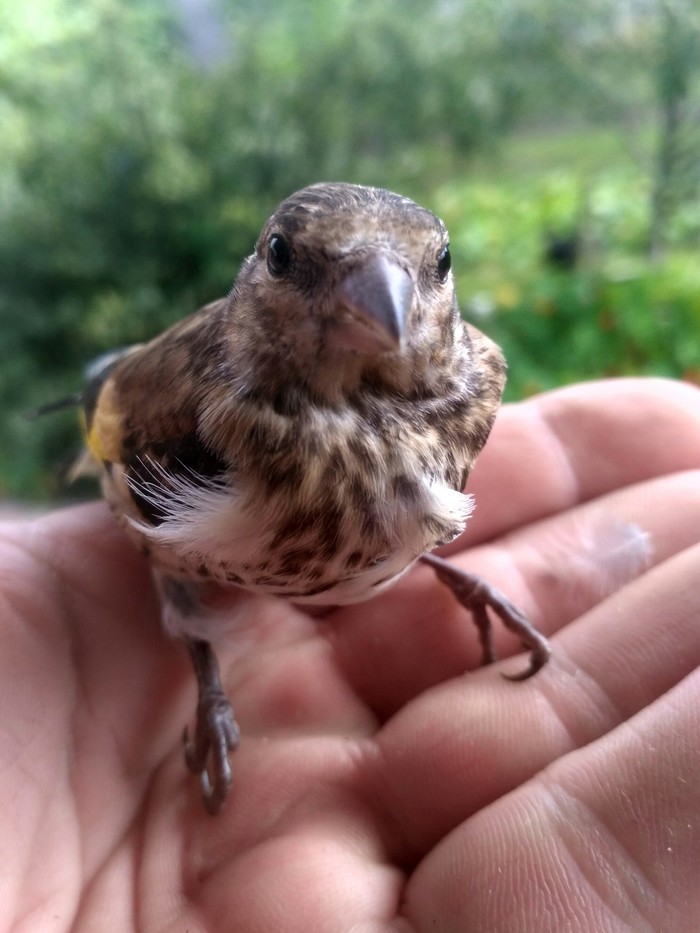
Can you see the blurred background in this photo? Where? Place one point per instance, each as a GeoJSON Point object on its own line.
{"type": "Point", "coordinates": [143, 145]}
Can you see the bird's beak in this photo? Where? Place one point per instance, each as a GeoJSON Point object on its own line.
{"type": "Point", "coordinates": [375, 299]}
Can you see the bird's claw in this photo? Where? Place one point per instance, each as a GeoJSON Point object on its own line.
{"type": "Point", "coordinates": [476, 595]}
{"type": "Point", "coordinates": [216, 735]}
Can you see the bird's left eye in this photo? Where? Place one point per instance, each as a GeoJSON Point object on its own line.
{"type": "Point", "coordinates": [279, 255]}
{"type": "Point", "coordinates": [444, 263]}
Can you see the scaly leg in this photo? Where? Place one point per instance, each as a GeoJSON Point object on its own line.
{"type": "Point", "coordinates": [216, 733]}
{"type": "Point", "coordinates": [475, 594]}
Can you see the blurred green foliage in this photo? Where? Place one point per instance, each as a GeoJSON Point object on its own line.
{"type": "Point", "coordinates": [615, 313]}
{"type": "Point", "coordinates": [144, 144]}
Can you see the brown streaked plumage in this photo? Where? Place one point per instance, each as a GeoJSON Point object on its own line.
{"type": "Point", "coordinates": [309, 436]}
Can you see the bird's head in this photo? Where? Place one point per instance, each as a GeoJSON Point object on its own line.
{"type": "Point", "coordinates": [345, 279]}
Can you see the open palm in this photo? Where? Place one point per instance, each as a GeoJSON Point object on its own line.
{"type": "Point", "coordinates": [378, 786]}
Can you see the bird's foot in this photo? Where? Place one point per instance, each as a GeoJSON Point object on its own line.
{"type": "Point", "coordinates": [476, 595]}
{"type": "Point", "coordinates": [216, 732]}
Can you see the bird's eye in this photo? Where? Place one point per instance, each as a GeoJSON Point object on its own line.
{"type": "Point", "coordinates": [444, 263]}
{"type": "Point", "coordinates": [279, 255]}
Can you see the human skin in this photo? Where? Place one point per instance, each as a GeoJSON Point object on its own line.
{"type": "Point", "coordinates": [384, 782]}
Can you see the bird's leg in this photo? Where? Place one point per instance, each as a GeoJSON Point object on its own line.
{"type": "Point", "coordinates": [216, 732]}
{"type": "Point", "coordinates": [476, 594]}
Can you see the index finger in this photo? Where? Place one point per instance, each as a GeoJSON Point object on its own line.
{"type": "Point", "coordinates": [575, 444]}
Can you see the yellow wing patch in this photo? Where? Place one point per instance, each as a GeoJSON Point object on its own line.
{"type": "Point", "coordinates": [104, 439]}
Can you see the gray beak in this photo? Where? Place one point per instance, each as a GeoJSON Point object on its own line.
{"type": "Point", "coordinates": [375, 300]}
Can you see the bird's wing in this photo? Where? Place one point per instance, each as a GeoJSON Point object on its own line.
{"type": "Point", "coordinates": [489, 376]}
{"type": "Point", "coordinates": [141, 408]}
{"type": "Point", "coordinates": [490, 366]}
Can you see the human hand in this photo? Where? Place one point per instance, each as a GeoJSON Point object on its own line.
{"type": "Point", "coordinates": [377, 785]}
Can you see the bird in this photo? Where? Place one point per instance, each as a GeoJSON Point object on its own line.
{"type": "Point", "coordinates": [308, 436]}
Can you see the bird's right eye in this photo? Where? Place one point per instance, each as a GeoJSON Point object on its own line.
{"type": "Point", "coordinates": [279, 255]}
{"type": "Point", "coordinates": [444, 263]}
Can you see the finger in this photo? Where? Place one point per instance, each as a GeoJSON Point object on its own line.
{"type": "Point", "coordinates": [560, 567]}
{"type": "Point", "coordinates": [417, 635]}
{"type": "Point", "coordinates": [568, 446]}
{"type": "Point", "coordinates": [605, 839]}
{"type": "Point", "coordinates": [462, 745]}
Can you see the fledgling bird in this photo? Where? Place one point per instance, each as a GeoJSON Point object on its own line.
{"type": "Point", "coordinates": [309, 436]}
